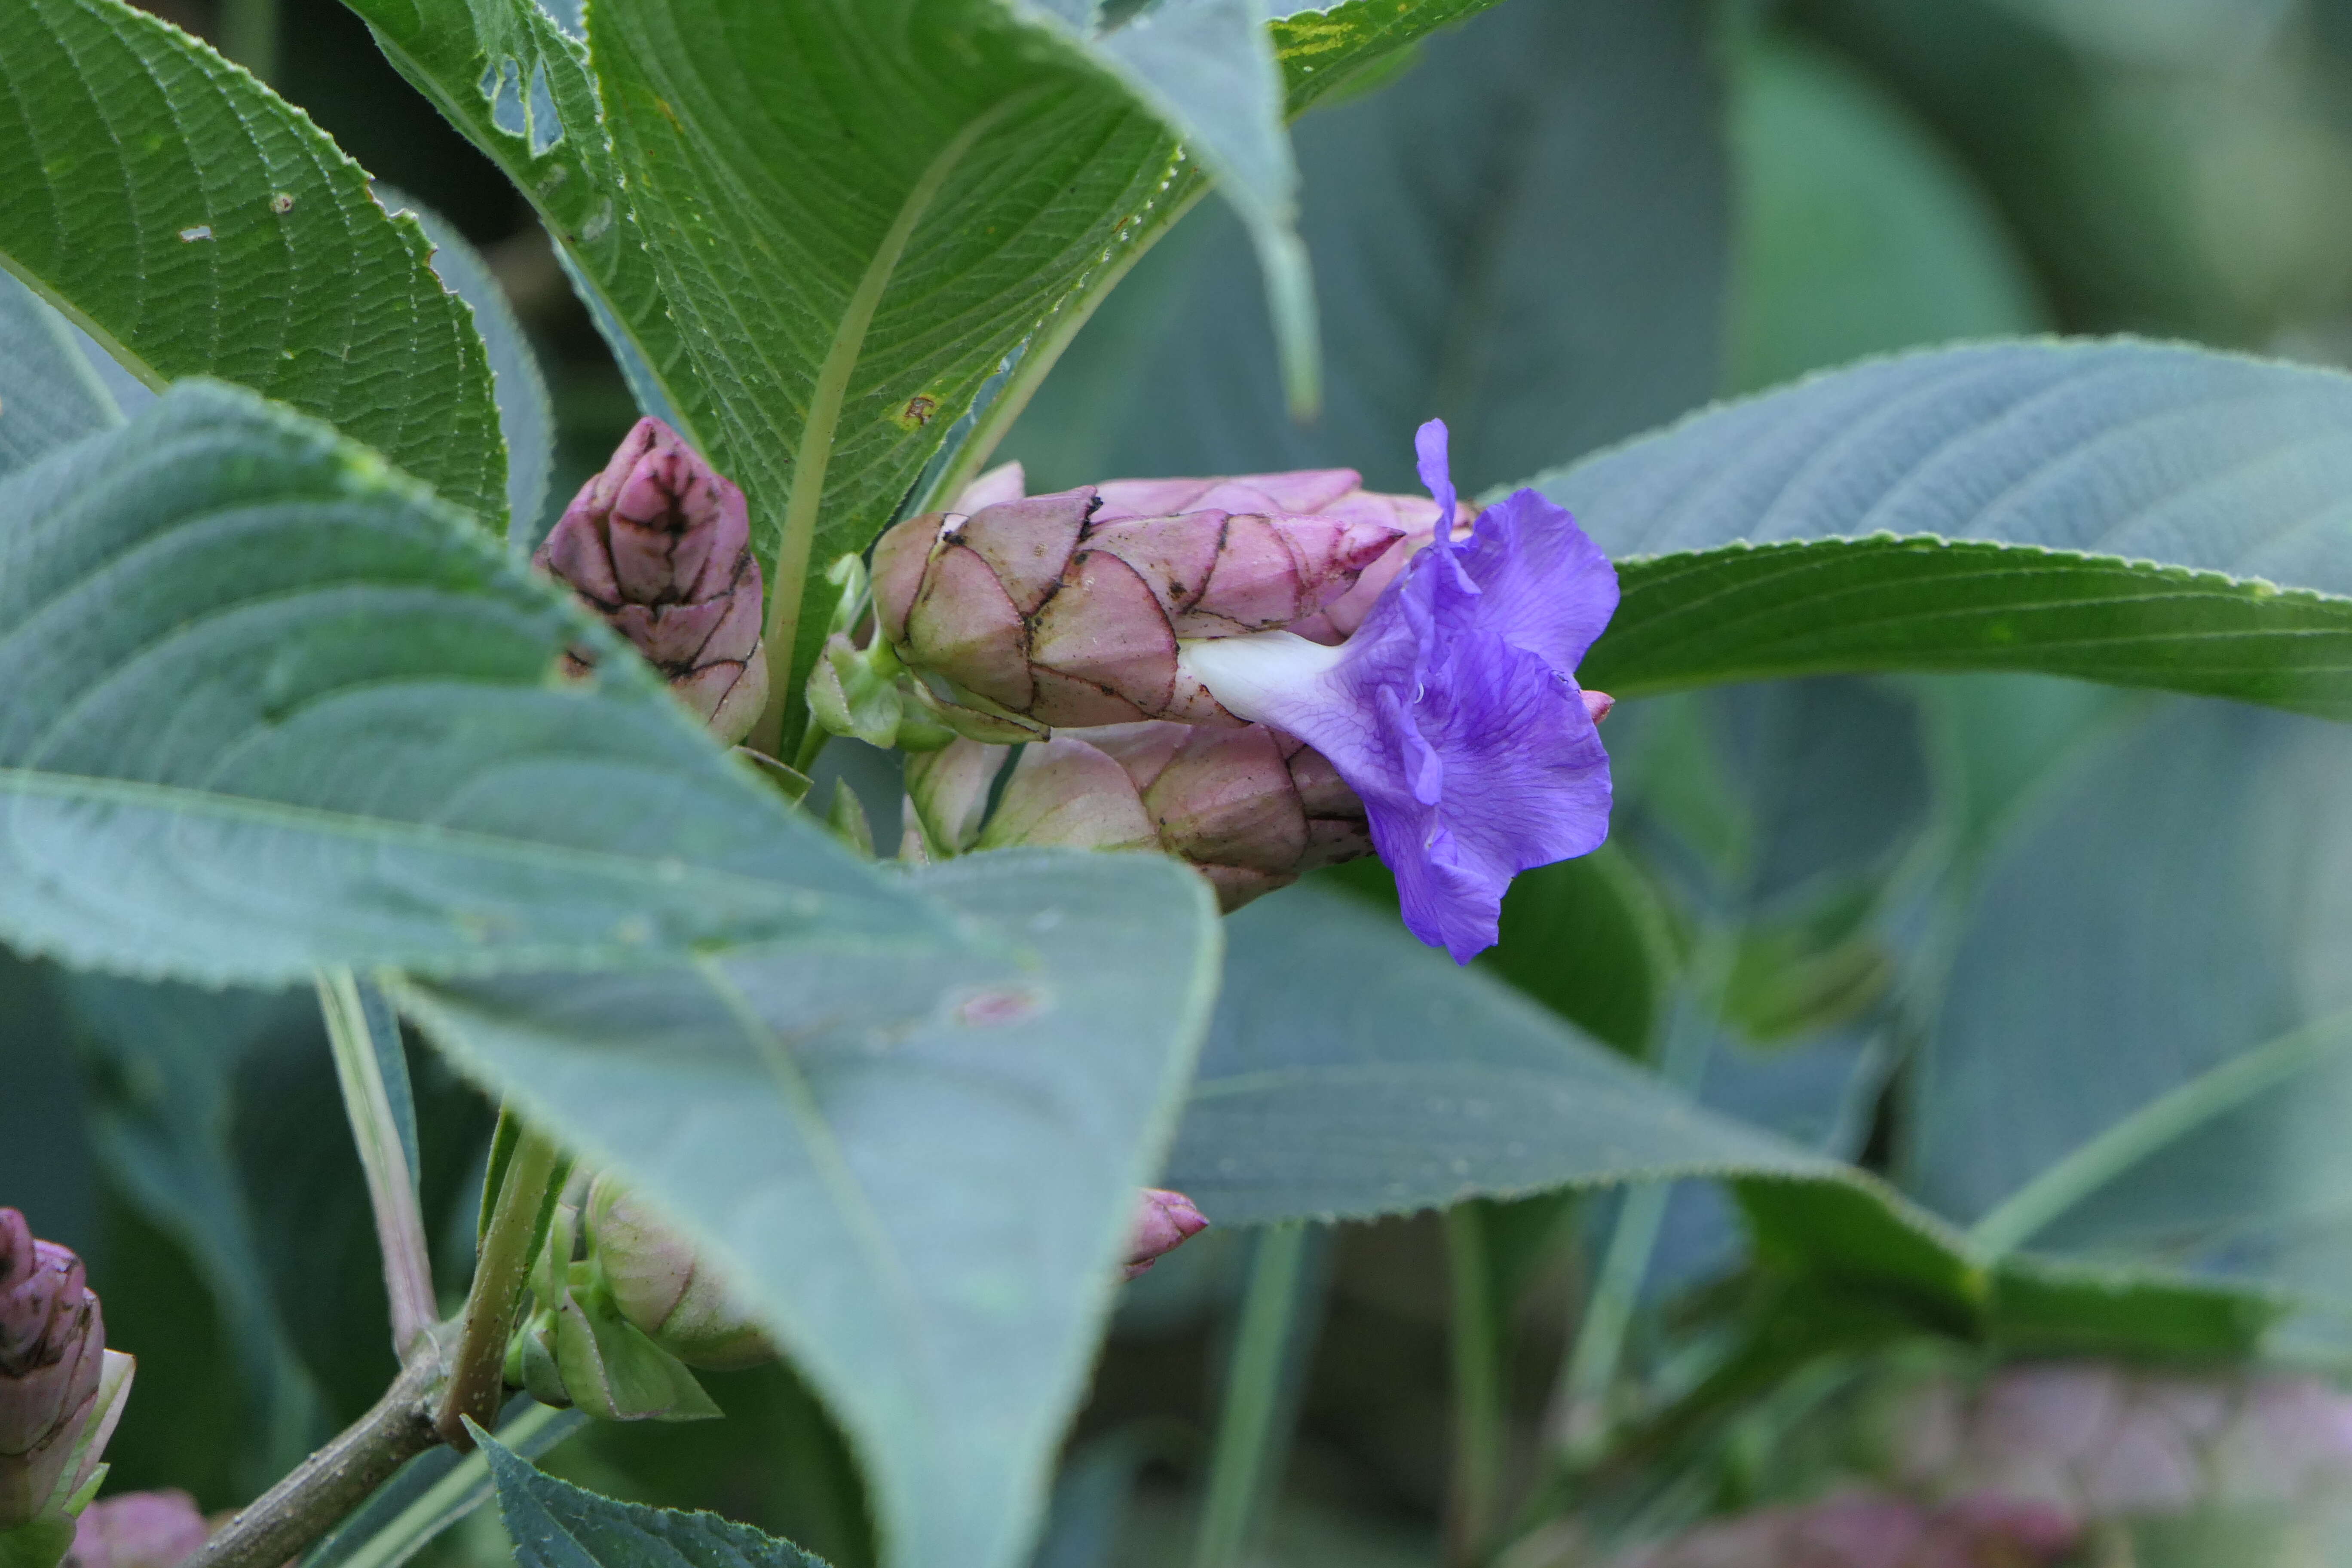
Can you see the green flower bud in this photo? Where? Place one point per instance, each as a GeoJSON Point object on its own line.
{"type": "Point", "coordinates": [659, 1285]}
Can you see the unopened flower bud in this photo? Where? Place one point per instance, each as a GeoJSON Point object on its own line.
{"type": "Point", "coordinates": [1869, 1531]}
{"type": "Point", "coordinates": [1065, 608]}
{"type": "Point", "coordinates": [1253, 809]}
{"type": "Point", "coordinates": [139, 1529]}
{"type": "Point", "coordinates": [60, 1389]}
{"type": "Point", "coordinates": [662, 1287]}
{"type": "Point", "coordinates": [659, 544]}
{"type": "Point", "coordinates": [1165, 1221]}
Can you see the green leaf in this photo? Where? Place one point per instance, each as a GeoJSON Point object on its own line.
{"type": "Point", "coordinates": [1351, 1072]}
{"type": "Point", "coordinates": [272, 706]}
{"type": "Point", "coordinates": [923, 1177]}
{"type": "Point", "coordinates": [526, 419]}
{"type": "Point", "coordinates": [1526, 233]}
{"type": "Point", "coordinates": [554, 1524]}
{"type": "Point", "coordinates": [518, 84]}
{"type": "Point", "coordinates": [1859, 233]}
{"type": "Point", "coordinates": [196, 224]}
{"type": "Point", "coordinates": [49, 396]}
{"type": "Point", "coordinates": [2143, 1049]}
{"type": "Point", "coordinates": [2122, 512]}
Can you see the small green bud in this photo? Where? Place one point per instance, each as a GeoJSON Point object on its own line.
{"type": "Point", "coordinates": [660, 1285]}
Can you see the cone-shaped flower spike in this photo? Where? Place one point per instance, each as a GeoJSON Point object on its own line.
{"type": "Point", "coordinates": [659, 544]}
{"type": "Point", "coordinates": [60, 1394]}
{"type": "Point", "coordinates": [1067, 608]}
{"type": "Point", "coordinates": [1251, 808]}
{"type": "Point", "coordinates": [1165, 1221]}
{"type": "Point", "coordinates": [1454, 710]}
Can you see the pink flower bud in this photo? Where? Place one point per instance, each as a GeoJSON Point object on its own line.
{"type": "Point", "coordinates": [1866, 1530]}
{"type": "Point", "coordinates": [1067, 608]}
{"type": "Point", "coordinates": [659, 544]}
{"type": "Point", "coordinates": [1065, 791]}
{"type": "Point", "coordinates": [1165, 1221]}
{"type": "Point", "coordinates": [52, 1369]}
{"type": "Point", "coordinates": [1252, 808]}
{"type": "Point", "coordinates": [139, 1529]}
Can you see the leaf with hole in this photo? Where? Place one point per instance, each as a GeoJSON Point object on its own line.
{"type": "Point", "coordinates": [197, 224]}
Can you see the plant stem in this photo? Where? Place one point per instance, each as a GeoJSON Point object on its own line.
{"type": "Point", "coordinates": [383, 1154]}
{"type": "Point", "coordinates": [448, 1500]}
{"type": "Point", "coordinates": [478, 1372]}
{"type": "Point", "coordinates": [286, 1519]}
{"type": "Point", "coordinates": [1248, 1447]}
{"type": "Point", "coordinates": [1478, 1428]}
{"type": "Point", "coordinates": [826, 398]}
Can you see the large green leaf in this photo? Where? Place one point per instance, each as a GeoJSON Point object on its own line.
{"type": "Point", "coordinates": [2145, 1046]}
{"type": "Point", "coordinates": [1526, 232]}
{"type": "Point", "coordinates": [1350, 1073]}
{"type": "Point", "coordinates": [923, 1178]}
{"type": "Point", "coordinates": [2124, 511]}
{"type": "Point", "coordinates": [829, 229]}
{"type": "Point", "coordinates": [197, 224]}
{"type": "Point", "coordinates": [270, 706]}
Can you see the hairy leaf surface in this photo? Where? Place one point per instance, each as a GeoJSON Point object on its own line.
{"type": "Point", "coordinates": [271, 706]}
{"type": "Point", "coordinates": [554, 1524]}
{"type": "Point", "coordinates": [197, 224]}
{"type": "Point", "coordinates": [2128, 512]}
{"type": "Point", "coordinates": [924, 1177]}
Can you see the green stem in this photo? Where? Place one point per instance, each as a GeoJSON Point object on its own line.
{"type": "Point", "coordinates": [477, 1373]}
{"type": "Point", "coordinates": [2162, 1121]}
{"type": "Point", "coordinates": [383, 1156]}
{"type": "Point", "coordinates": [826, 398]}
{"type": "Point", "coordinates": [283, 1522]}
{"type": "Point", "coordinates": [1479, 1434]}
{"type": "Point", "coordinates": [1248, 1444]}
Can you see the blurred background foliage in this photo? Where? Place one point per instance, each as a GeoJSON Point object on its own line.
{"type": "Point", "coordinates": [2067, 966]}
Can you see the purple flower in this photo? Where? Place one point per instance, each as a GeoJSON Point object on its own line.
{"type": "Point", "coordinates": [1454, 710]}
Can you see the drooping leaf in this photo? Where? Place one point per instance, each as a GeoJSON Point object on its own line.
{"type": "Point", "coordinates": [554, 1524]}
{"type": "Point", "coordinates": [2122, 512]}
{"type": "Point", "coordinates": [197, 224]}
{"type": "Point", "coordinates": [49, 395]}
{"type": "Point", "coordinates": [272, 706]}
{"type": "Point", "coordinates": [1526, 232]}
{"type": "Point", "coordinates": [923, 1177]}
